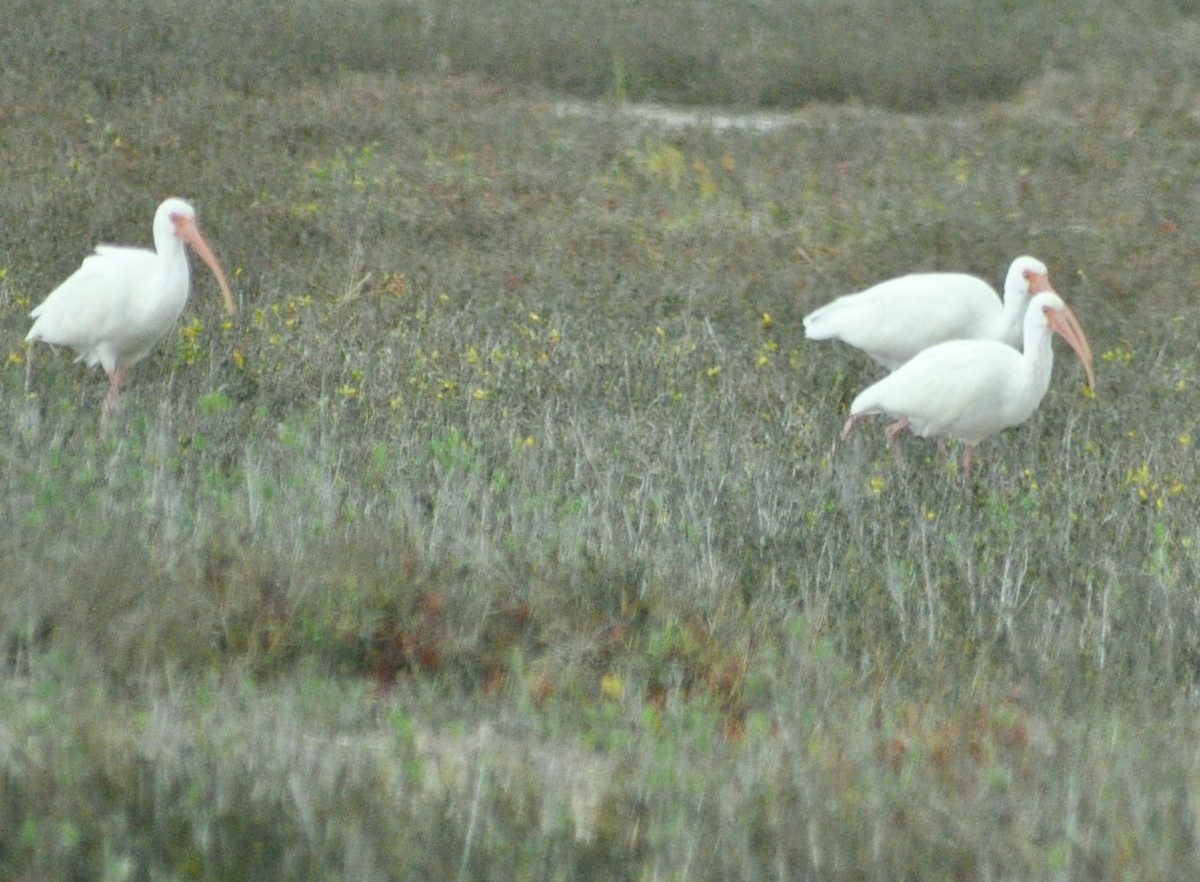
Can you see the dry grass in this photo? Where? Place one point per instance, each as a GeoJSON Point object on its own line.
{"type": "Point", "coordinates": [498, 536]}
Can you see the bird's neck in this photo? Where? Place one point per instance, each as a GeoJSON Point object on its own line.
{"type": "Point", "coordinates": [1038, 356]}
{"type": "Point", "coordinates": [1016, 302]}
{"type": "Point", "coordinates": [173, 257]}
{"type": "Point", "coordinates": [167, 244]}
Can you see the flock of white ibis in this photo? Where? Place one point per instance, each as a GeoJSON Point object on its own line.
{"type": "Point", "coordinates": [947, 338]}
{"type": "Point", "coordinates": [950, 344]}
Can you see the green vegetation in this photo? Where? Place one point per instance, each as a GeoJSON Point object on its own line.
{"type": "Point", "coordinates": [498, 535]}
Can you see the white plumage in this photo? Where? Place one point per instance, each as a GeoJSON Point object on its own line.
{"type": "Point", "coordinates": [894, 320]}
{"type": "Point", "coordinates": [122, 301]}
{"type": "Point", "coordinates": [970, 389]}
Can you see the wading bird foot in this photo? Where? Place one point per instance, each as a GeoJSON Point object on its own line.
{"type": "Point", "coordinates": [843, 435]}
{"type": "Point", "coordinates": [966, 463]}
{"type": "Point", "coordinates": [113, 399]}
{"type": "Point", "coordinates": [892, 431]}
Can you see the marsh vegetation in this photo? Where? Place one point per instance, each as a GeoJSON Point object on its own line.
{"type": "Point", "coordinates": [498, 535]}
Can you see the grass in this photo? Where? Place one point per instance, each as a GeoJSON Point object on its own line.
{"type": "Point", "coordinates": [498, 536]}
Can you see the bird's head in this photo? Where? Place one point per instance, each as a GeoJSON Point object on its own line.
{"type": "Point", "coordinates": [1049, 310]}
{"type": "Point", "coordinates": [178, 219]}
{"type": "Point", "coordinates": [1028, 274]}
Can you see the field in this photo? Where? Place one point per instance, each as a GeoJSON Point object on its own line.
{"type": "Point", "coordinates": [499, 535]}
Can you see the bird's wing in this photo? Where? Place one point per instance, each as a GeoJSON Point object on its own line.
{"type": "Point", "coordinates": [896, 319]}
{"type": "Point", "coordinates": [94, 299]}
{"type": "Point", "coordinates": [958, 389]}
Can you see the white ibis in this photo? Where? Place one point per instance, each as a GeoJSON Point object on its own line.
{"type": "Point", "coordinates": [121, 301]}
{"type": "Point", "coordinates": [894, 320]}
{"type": "Point", "coordinates": [969, 389]}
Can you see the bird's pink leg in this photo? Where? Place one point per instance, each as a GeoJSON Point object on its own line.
{"type": "Point", "coordinates": [844, 434]}
{"type": "Point", "coordinates": [114, 391]}
{"type": "Point", "coordinates": [966, 463]}
{"type": "Point", "coordinates": [847, 428]}
{"type": "Point", "coordinates": [892, 431]}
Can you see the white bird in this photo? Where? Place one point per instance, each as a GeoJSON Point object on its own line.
{"type": "Point", "coordinates": [970, 389]}
{"type": "Point", "coordinates": [122, 301]}
{"type": "Point", "coordinates": [894, 320]}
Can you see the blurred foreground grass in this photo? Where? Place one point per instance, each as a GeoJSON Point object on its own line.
{"type": "Point", "coordinates": [498, 537]}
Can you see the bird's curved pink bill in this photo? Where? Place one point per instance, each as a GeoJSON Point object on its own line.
{"type": "Point", "coordinates": [1063, 322]}
{"type": "Point", "coordinates": [186, 229]}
